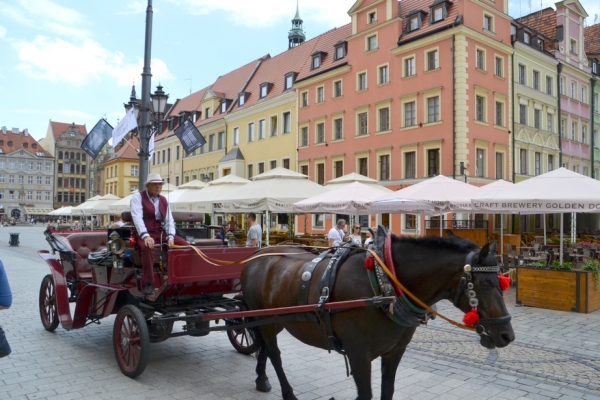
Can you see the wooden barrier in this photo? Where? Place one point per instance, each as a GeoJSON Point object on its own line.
{"type": "Point", "coordinates": [479, 236]}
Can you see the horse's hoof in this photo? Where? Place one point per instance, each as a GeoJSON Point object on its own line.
{"type": "Point", "coordinates": [263, 385]}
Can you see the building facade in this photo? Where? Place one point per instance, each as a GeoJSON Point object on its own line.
{"type": "Point", "coordinates": [26, 176]}
{"type": "Point", "coordinates": [121, 170]}
{"type": "Point", "coordinates": [592, 50]}
{"type": "Point", "coordinates": [63, 142]}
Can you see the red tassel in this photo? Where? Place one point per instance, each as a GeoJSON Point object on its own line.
{"type": "Point", "coordinates": [131, 241]}
{"type": "Point", "coordinates": [471, 318]}
{"type": "Point", "coordinates": [504, 282]}
{"type": "Point", "coordinates": [369, 263]}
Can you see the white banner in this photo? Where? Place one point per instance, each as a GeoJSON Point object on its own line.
{"type": "Point", "coordinates": [124, 127]}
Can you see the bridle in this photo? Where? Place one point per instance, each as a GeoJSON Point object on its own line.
{"type": "Point", "coordinates": [466, 286]}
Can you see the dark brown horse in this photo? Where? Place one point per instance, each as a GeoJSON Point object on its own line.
{"type": "Point", "coordinates": [431, 268]}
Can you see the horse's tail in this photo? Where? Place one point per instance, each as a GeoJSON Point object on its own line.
{"type": "Point", "coordinates": [256, 337]}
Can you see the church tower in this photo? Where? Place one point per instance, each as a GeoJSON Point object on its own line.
{"type": "Point", "coordinates": [296, 35]}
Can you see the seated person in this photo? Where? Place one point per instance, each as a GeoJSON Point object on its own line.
{"type": "Point", "coordinates": [117, 221]}
{"type": "Point", "coordinates": [220, 234]}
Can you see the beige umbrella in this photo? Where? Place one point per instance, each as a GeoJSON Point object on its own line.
{"type": "Point", "coordinates": [203, 201]}
{"type": "Point", "coordinates": [83, 208]}
{"type": "Point", "coordinates": [101, 206]}
{"type": "Point", "coordinates": [195, 184]}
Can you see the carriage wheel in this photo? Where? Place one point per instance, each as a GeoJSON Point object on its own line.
{"type": "Point", "coordinates": [241, 339]}
{"type": "Point", "coordinates": [131, 341]}
{"type": "Point", "coordinates": [47, 303]}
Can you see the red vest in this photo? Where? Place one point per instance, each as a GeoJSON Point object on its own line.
{"type": "Point", "coordinates": [148, 214]}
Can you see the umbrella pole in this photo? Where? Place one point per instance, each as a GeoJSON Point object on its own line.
{"type": "Point", "coordinates": [441, 223]}
{"type": "Point", "coordinates": [501, 234]}
{"type": "Point", "coordinates": [545, 229]}
{"type": "Point", "coordinates": [573, 227]}
{"type": "Point", "coordinates": [268, 223]}
{"type": "Point", "coordinates": [561, 238]}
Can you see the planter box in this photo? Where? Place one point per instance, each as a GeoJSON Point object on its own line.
{"type": "Point", "coordinates": [557, 290]}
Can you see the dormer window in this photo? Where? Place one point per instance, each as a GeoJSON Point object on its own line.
{"type": "Point", "coordinates": [340, 49]}
{"type": "Point", "coordinates": [372, 17]}
{"type": "Point", "coordinates": [415, 20]}
{"type": "Point", "coordinates": [72, 133]}
{"type": "Point", "coordinates": [414, 23]}
{"type": "Point", "coordinates": [317, 59]}
{"type": "Point", "coordinates": [25, 145]}
{"type": "Point", "coordinates": [34, 146]}
{"type": "Point", "coordinates": [242, 97]}
{"type": "Point", "coordinates": [223, 106]}
{"type": "Point", "coordinates": [264, 89]}
{"type": "Point", "coordinates": [171, 123]}
{"type": "Point", "coordinates": [9, 143]}
{"type": "Point", "coordinates": [289, 80]}
{"type": "Point", "coordinates": [526, 38]}
{"type": "Point", "coordinates": [438, 13]}
{"type": "Point", "coordinates": [573, 47]}
{"type": "Point", "coordinates": [207, 113]}
{"type": "Point", "coordinates": [540, 44]}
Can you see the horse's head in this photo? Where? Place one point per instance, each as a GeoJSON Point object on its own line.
{"type": "Point", "coordinates": [479, 288]}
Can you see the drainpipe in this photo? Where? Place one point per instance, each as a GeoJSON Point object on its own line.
{"type": "Point", "coordinates": [559, 68]}
{"type": "Point", "coordinates": [512, 85]}
{"type": "Point", "coordinates": [453, 115]}
{"type": "Point", "coordinates": [592, 105]}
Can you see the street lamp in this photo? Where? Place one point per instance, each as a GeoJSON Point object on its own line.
{"type": "Point", "coordinates": [159, 104]}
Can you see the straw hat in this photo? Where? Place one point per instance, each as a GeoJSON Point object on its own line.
{"type": "Point", "coordinates": [154, 178]}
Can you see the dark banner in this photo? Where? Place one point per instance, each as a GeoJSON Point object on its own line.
{"type": "Point", "coordinates": [97, 138]}
{"type": "Point", "coordinates": [189, 136]}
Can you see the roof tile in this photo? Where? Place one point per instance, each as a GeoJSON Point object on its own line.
{"type": "Point", "coordinates": [18, 141]}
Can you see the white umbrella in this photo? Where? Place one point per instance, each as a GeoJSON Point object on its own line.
{"type": "Point", "coordinates": [557, 191]}
{"type": "Point", "coordinates": [352, 177]}
{"type": "Point", "coordinates": [195, 184]}
{"type": "Point", "coordinates": [101, 206]}
{"type": "Point", "coordinates": [492, 189]}
{"type": "Point", "coordinates": [122, 205]}
{"type": "Point", "coordinates": [82, 208]}
{"type": "Point", "coordinates": [203, 201]}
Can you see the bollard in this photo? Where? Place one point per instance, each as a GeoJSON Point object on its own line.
{"type": "Point", "coordinates": [14, 239]}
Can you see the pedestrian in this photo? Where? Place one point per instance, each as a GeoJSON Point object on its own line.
{"type": "Point", "coordinates": [336, 235]}
{"type": "Point", "coordinates": [355, 235]}
{"type": "Point", "coordinates": [254, 236]}
{"type": "Point", "coordinates": [369, 238]}
{"type": "Point", "coordinates": [5, 303]}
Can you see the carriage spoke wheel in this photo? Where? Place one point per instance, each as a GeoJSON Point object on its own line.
{"type": "Point", "coordinates": [131, 341]}
{"type": "Point", "coordinates": [241, 339]}
{"type": "Point", "coordinates": [47, 303]}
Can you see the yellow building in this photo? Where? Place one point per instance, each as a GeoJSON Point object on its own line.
{"type": "Point", "coordinates": [121, 170]}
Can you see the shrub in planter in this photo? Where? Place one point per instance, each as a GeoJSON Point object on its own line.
{"type": "Point", "coordinates": [593, 266]}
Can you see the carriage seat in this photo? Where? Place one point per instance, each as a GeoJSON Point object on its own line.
{"type": "Point", "coordinates": [83, 244]}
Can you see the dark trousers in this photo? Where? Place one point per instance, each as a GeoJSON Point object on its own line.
{"type": "Point", "coordinates": [147, 253]}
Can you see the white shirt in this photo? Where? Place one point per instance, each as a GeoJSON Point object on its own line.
{"type": "Point", "coordinates": [137, 214]}
{"type": "Point", "coordinates": [337, 235]}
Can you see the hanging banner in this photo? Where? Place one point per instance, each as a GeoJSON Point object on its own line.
{"type": "Point", "coordinates": [97, 138]}
{"type": "Point", "coordinates": [189, 136]}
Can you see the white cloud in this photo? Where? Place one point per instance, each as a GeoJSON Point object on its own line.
{"type": "Point", "coordinates": [75, 114]}
{"type": "Point", "coordinates": [267, 12]}
{"type": "Point", "coordinates": [135, 7]}
{"type": "Point", "coordinates": [60, 61]}
{"type": "Point", "coordinates": [2, 32]}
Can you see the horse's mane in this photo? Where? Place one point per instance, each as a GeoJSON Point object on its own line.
{"type": "Point", "coordinates": [452, 243]}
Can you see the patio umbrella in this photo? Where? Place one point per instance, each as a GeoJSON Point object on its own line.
{"type": "Point", "coordinates": [350, 178]}
{"type": "Point", "coordinates": [81, 209]}
{"type": "Point", "coordinates": [121, 205]}
{"type": "Point", "coordinates": [557, 191]}
{"type": "Point", "coordinates": [195, 184]}
{"type": "Point", "coordinates": [203, 201]}
{"type": "Point", "coordinates": [492, 189]}
{"type": "Point", "coordinates": [273, 191]}
{"type": "Point", "coordinates": [101, 206]}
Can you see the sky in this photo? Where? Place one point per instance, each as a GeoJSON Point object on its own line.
{"type": "Point", "coordinates": [75, 61]}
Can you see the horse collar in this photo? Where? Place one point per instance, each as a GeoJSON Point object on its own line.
{"type": "Point", "coordinates": [389, 261]}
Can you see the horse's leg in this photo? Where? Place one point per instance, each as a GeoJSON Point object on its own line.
{"type": "Point", "coordinates": [262, 381]}
{"type": "Point", "coordinates": [360, 365]}
{"type": "Point", "coordinates": [269, 334]}
{"type": "Point", "coordinates": [389, 366]}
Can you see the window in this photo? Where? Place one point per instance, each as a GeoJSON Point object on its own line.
{"type": "Point", "coordinates": [220, 140]}
{"type": "Point", "coordinates": [536, 118]}
{"type": "Point", "coordinates": [12, 164]}
{"type": "Point", "coordinates": [320, 94]}
{"type": "Point", "coordinates": [499, 120]}
{"type": "Point", "coordinates": [523, 161]}
{"type": "Point", "coordinates": [498, 67]}
{"type": "Point", "coordinates": [522, 114]}
{"type": "Point", "coordinates": [261, 167]}
{"type": "Point", "coordinates": [304, 99]}
{"type": "Point", "coordinates": [563, 127]}
{"type": "Point", "coordinates": [362, 124]}
{"type": "Point", "coordinates": [289, 80]}
{"type": "Point", "coordinates": [573, 46]}
{"type": "Point", "coordinates": [413, 23]}
{"type": "Point", "coordinates": [264, 90]}
{"type": "Point", "coordinates": [561, 84]}
{"type": "Point", "coordinates": [207, 112]}
{"type": "Point", "coordinates": [384, 167]}
{"type": "Point", "coordinates": [223, 107]}
{"type": "Point", "coordinates": [250, 171]}
{"type": "Point", "coordinates": [30, 164]}
{"type": "Point", "coordinates": [261, 129]}
{"type": "Point", "coordinates": [242, 99]}
{"type": "Point", "coordinates": [304, 136]}
{"type": "Point", "coordinates": [20, 179]}
{"type": "Point", "coordinates": [573, 90]}
{"type": "Point", "coordinates": [536, 80]}
{"type": "Point", "coordinates": [337, 89]}
{"type": "Point", "coordinates": [573, 131]}
{"type": "Point", "coordinates": [362, 81]}
{"type": "Point", "coordinates": [29, 195]}
{"type": "Point", "coordinates": [46, 195]}
{"type": "Point", "coordinates": [596, 106]}
{"type": "Point", "coordinates": [433, 109]}
{"type": "Point", "coordinates": [362, 166]}
{"type": "Point", "coordinates": [251, 132]}
{"type": "Point", "coordinates": [433, 162]}
{"type": "Point", "coordinates": [338, 169]}
{"type": "Point", "coordinates": [432, 60]}
{"type": "Point", "coordinates": [273, 164]}
{"type": "Point", "coordinates": [338, 132]}
{"type": "Point", "coordinates": [66, 169]}
{"type": "Point", "coordinates": [236, 136]}
{"type": "Point", "coordinates": [48, 180]}
{"type": "Point", "coordinates": [438, 14]}
{"type": "Point", "coordinates": [537, 165]}
{"type": "Point", "coordinates": [286, 163]}
{"type": "Point", "coordinates": [287, 122]}
{"type": "Point", "coordinates": [30, 180]}
{"type": "Point", "coordinates": [340, 50]}
{"type": "Point", "coordinates": [488, 23]}
{"type": "Point", "coordinates": [409, 66]}
{"type": "Point", "coordinates": [383, 74]}
{"type": "Point", "coordinates": [549, 85]}
{"type": "Point", "coordinates": [316, 61]}
{"type": "Point", "coordinates": [318, 220]}
{"type": "Point", "coordinates": [480, 108]}
{"type": "Point", "coordinates": [372, 43]}
{"type": "Point", "coordinates": [521, 74]}
{"type": "Point", "coordinates": [550, 122]}
{"type": "Point", "coordinates": [480, 163]}
{"type": "Point", "coordinates": [583, 134]}
{"type": "Point", "coordinates": [410, 114]}
{"type": "Point", "coordinates": [480, 59]}
{"type": "Point", "coordinates": [410, 221]}
{"type": "Point", "coordinates": [410, 165]}
{"type": "Point", "coordinates": [384, 119]}
{"type": "Point", "coordinates": [584, 94]}
{"type": "Point", "coordinates": [321, 174]}
{"type": "Point", "coordinates": [274, 125]}
{"type": "Point", "coordinates": [11, 179]}
{"type": "Point", "coordinates": [372, 17]}
{"type": "Point", "coordinates": [499, 166]}
{"type": "Point", "coordinates": [21, 164]}
{"type": "Point", "coordinates": [526, 37]}
{"type": "Point", "coordinates": [320, 133]}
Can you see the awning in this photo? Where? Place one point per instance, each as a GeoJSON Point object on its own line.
{"type": "Point", "coordinates": [38, 211]}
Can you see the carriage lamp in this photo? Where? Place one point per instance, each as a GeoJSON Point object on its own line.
{"type": "Point", "coordinates": [116, 245]}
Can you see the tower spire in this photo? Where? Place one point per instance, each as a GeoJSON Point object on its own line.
{"type": "Point", "coordinates": [296, 35]}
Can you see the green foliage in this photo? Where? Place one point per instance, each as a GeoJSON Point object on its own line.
{"type": "Point", "coordinates": [556, 265]}
{"type": "Point", "coordinates": [593, 266]}
{"type": "Point", "coordinates": [536, 264]}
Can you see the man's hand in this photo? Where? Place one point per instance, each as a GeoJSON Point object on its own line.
{"type": "Point", "coordinates": [149, 242]}
{"type": "Point", "coordinates": [170, 241]}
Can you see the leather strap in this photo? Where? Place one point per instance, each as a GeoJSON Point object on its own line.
{"type": "Point", "coordinates": [305, 279]}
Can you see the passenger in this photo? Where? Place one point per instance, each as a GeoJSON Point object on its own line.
{"type": "Point", "coordinates": [149, 210]}
{"type": "Point", "coordinates": [117, 221]}
{"type": "Point", "coordinates": [254, 236]}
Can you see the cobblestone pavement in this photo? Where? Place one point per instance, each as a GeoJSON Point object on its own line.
{"type": "Point", "coordinates": [555, 355]}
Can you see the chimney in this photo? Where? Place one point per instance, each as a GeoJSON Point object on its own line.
{"type": "Point", "coordinates": [15, 131]}
{"type": "Point", "coordinates": [26, 132]}
{"type": "Point", "coordinates": [4, 130]}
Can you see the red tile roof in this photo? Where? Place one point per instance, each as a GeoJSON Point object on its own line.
{"type": "Point", "coordinates": [126, 152]}
{"type": "Point", "coordinates": [410, 7]}
{"type": "Point", "coordinates": [21, 141]}
{"type": "Point", "coordinates": [61, 127]}
{"type": "Point", "coordinates": [591, 36]}
{"type": "Point", "coordinates": [543, 21]}
{"type": "Point", "coordinates": [189, 103]}
{"type": "Point", "coordinates": [325, 43]}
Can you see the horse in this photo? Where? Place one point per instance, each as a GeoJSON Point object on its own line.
{"type": "Point", "coordinates": [431, 268]}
